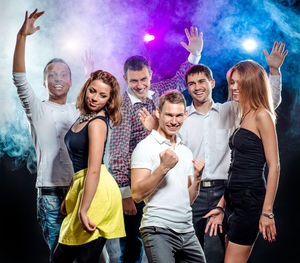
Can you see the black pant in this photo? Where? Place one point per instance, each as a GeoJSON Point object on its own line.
{"type": "Point", "coordinates": [214, 247]}
{"type": "Point", "coordinates": [86, 253]}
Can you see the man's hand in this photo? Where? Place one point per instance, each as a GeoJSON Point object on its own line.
{"type": "Point", "coordinates": [28, 27]}
{"type": "Point", "coordinates": [149, 121]}
{"type": "Point", "coordinates": [129, 206]}
{"type": "Point", "coordinates": [62, 209]}
{"type": "Point", "coordinates": [88, 62]}
{"type": "Point", "coordinates": [168, 159]}
{"type": "Point", "coordinates": [276, 57]}
{"type": "Point", "coordinates": [215, 221]}
{"type": "Point", "coordinates": [198, 169]}
{"type": "Point", "coordinates": [195, 39]}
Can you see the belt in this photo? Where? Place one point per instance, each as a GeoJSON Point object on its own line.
{"type": "Point", "coordinates": [59, 191]}
{"type": "Point", "coordinates": [212, 183]}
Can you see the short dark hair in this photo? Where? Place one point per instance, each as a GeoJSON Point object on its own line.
{"type": "Point", "coordinates": [136, 63]}
{"type": "Point", "coordinates": [56, 60]}
{"type": "Point", "coordinates": [172, 96]}
{"type": "Point", "coordinates": [200, 68]}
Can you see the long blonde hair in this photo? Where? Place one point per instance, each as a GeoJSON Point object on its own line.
{"type": "Point", "coordinates": [254, 86]}
{"type": "Point", "coordinates": [113, 106]}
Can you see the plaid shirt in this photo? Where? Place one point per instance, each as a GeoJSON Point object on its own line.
{"type": "Point", "coordinates": [126, 136]}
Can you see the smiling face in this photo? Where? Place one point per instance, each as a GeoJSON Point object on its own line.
{"type": "Point", "coordinates": [139, 82]}
{"type": "Point", "coordinates": [97, 95]}
{"type": "Point", "coordinates": [235, 86]}
{"type": "Point", "coordinates": [170, 118]}
{"type": "Point", "coordinates": [57, 81]}
{"type": "Point", "coordinates": [200, 87]}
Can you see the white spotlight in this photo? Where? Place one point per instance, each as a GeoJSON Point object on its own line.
{"type": "Point", "coordinates": [249, 44]}
{"type": "Point", "coordinates": [71, 45]}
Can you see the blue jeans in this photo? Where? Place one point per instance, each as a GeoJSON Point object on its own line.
{"type": "Point", "coordinates": [214, 247]}
{"type": "Point", "coordinates": [132, 246]}
{"type": "Point", "coordinates": [165, 245]}
{"type": "Point", "coordinates": [50, 218]}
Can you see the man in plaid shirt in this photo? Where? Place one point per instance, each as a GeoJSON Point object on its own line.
{"type": "Point", "coordinates": [125, 137]}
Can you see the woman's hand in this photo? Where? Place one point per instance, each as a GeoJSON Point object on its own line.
{"type": "Point", "coordinates": [86, 223]}
{"type": "Point", "coordinates": [267, 228]}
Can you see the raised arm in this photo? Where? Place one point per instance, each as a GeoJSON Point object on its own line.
{"type": "Point", "coordinates": [27, 29]}
{"type": "Point", "coordinates": [275, 61]}
{"type": "Point", "coordinates": [88, 62]}
{"type": "Point", "coordinates": [194, 46]}
{"type": "Point", "coordinates": [97, 135]}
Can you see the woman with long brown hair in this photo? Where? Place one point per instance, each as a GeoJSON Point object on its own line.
{"type": "Point", "coordinates": [93, 204]}
{"type": "Point", "coordinates": [249, 198]}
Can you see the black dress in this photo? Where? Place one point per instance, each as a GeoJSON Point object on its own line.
{"type": "Point", "coordinates": [246, 188]}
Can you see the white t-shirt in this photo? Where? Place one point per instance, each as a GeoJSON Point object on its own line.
{"type": "Point", "coordinates": [49, 122]}
{"type": "Point", "coordinates": [169, 205]}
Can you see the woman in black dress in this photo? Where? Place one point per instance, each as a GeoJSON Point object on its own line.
{"type": "Point", "coordinates": [248, 198]}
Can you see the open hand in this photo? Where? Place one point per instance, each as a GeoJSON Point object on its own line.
{"type": "Point", "coordinates": [149, 122]}
{"type": "Point", "coordinates": [195, 39]}
{"type": "Point", "coordinates": [88, 62]}
{"type": "Point", "coordinates": [215, 221]}
{"type": "Point", "coordinates": [276, 57]}
{"type": "Point", "coordinates": [28, 27]}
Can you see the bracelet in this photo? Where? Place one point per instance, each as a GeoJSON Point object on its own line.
{"type": "Point", "coordinates": [221, 208]}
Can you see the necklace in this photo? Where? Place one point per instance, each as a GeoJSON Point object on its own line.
{"type": "Point", "coordinates": [244, 115]}
{"type": "Point", "coordinates": [83, 118]}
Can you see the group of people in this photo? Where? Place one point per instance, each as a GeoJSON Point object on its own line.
{"type": "Point", "coordinates": [169, 178]}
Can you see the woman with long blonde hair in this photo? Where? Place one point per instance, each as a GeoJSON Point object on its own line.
{"type": "Point", "coordinates": [249, 198]}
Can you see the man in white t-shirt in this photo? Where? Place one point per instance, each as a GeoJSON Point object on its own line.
{"type": "Point", "coordinates": [167, 178]}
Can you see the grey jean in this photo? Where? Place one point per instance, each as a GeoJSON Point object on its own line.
{"type": "Point", "coordinates": [165, 245]}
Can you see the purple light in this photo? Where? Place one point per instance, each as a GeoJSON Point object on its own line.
{"type": "Point", "coordinates": [149, 37]}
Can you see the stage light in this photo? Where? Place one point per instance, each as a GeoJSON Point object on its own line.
{"type": "Point", "coordinates": [71, 45]}
{"type": "Point", "coordinates": [249, 44]}
{"type": "Point", "coordinates": [148, 38]}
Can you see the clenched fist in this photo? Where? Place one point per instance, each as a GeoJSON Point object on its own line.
{"type": "Point", "coordinates": [168, 159]}
{"type": "Point", "coordinates": [198, 168]}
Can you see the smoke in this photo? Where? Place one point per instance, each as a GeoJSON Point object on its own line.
{"type": "Point", "coordinates": [114, 30]}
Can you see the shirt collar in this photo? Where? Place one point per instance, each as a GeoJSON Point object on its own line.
{"type": "Point", "coordinates": [191, 109]}
{"type": "Point", "coordinates": [134, 99]}
{"type": "Point", "coordinates": [160, 139]}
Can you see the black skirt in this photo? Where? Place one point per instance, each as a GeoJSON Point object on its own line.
{"type": "Point", "coordinates": [242, 214]}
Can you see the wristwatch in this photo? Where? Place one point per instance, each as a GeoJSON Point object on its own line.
{"type": "Point", "coordinates": [271, 215]}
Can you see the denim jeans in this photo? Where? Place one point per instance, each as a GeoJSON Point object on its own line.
{"type": "Point", "coordinates": [165, 245]}
{"type": "Point", "coordinates": [50, 218]}
{"type": "Point", "coordinates": [132, 246]}
{"type": "Point", "coordinates": [214, 247]}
